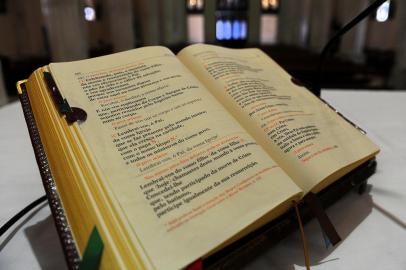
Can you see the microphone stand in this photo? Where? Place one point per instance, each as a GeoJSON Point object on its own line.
{"type": "Point", "coordinates": [316, 89]}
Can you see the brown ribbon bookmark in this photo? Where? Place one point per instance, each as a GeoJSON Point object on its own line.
{"type": "Point", "coordinates": [72, 114]}
{"type": "Point", "coordinates": [317, 210]}
{"type": "Point", "coordinates": [302, 235]}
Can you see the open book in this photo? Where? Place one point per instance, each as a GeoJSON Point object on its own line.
{"type": "Point", "coordinates": [181, 155]}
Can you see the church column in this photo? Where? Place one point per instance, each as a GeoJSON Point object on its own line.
{"type": "Point", "coordinates": [148, 20]}
{"type": "Point", "coordinates": [65, 27]}
{"type": "Point", "coordinates": [29, 35]}
{"type": "Point", "coordinates": [398, 77]}
{"type": "Point", "coordinates": [254, 17]}
{"type": "Point", "coordinates": [353, 42]}
{"type": "Point", "coordinates": [119, 21]}
{"type": "Point", "coordinates": [320, 22]}
{"type": "Point", "coordinates": [293, 25]}
{"type": "Point", "coordinates": [21, 28]}
{"type": "Point", "coordinates": [210, 21]}
{"type": "Point", "coordinates": [3, 92]}
{"type": "Point", "coordinates": [173, 22]}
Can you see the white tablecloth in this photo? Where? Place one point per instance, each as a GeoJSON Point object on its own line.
{"type": "Point", "coordinates": [372, 225]}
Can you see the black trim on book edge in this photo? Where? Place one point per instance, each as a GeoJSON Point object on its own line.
{"type": "Point", "coordinates": [65, 235]}
{"type": "Point", "coordinates": [235, 255]}
{"type": "Point", "coordinates": [299, 83]}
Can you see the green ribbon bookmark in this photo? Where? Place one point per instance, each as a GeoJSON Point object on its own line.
{"type": "Point", "coordinates": [64, 107]}
{"type": "Point", "coordinates": [94, 250]}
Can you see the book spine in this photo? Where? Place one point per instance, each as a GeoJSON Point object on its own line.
{"type": "Point", "coordinates": [65, 236]}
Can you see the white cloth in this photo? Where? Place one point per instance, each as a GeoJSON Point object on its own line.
{"type": "Point", "coordinates": [372, 225]}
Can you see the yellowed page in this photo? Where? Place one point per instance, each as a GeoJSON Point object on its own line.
{"type": "Point", "coordinates": [306, 138]}
{"type": "Point", "coordinates": [80, 209]}
{"type": "Point", "coordinates": [186, 175]}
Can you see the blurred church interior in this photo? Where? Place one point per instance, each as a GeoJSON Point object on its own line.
{"type": "Point", "coordinates": [293, 32]}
